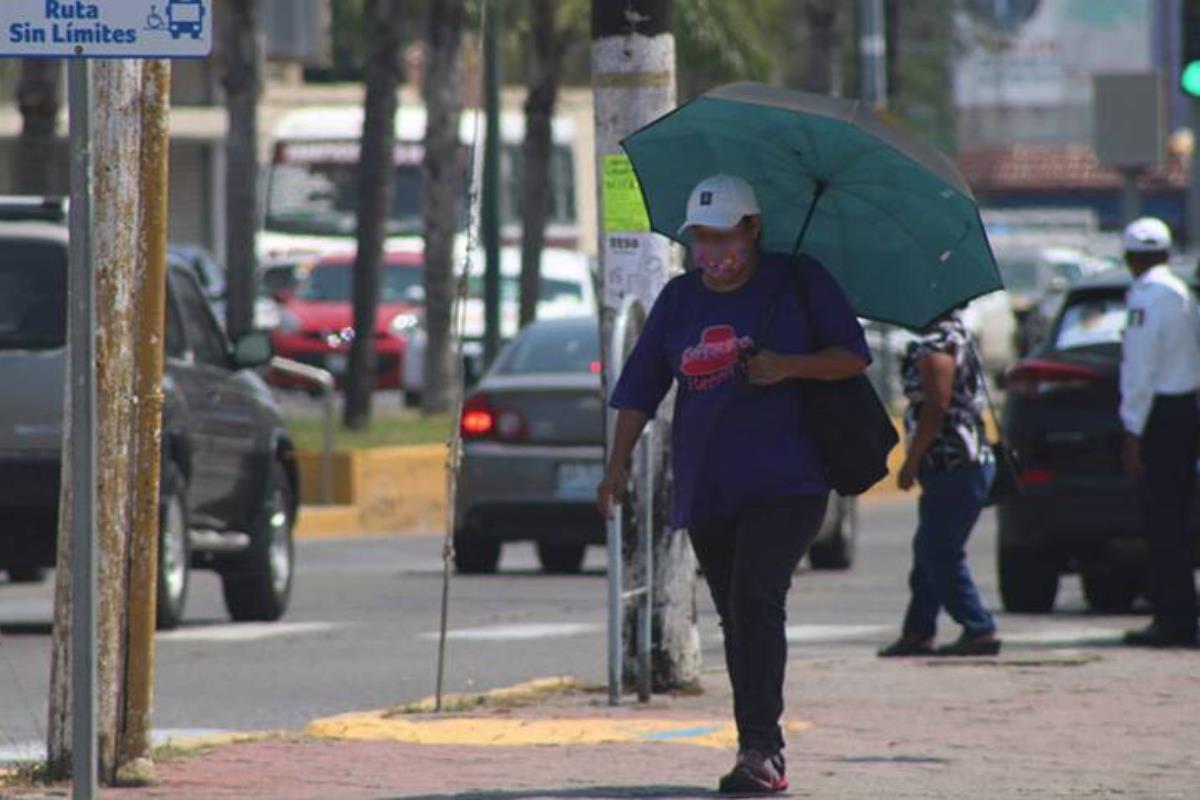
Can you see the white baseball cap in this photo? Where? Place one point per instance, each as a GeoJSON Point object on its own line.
{"type": "Point", "coordinates": [1146, 235]}
{"type": "Point", "coordinates": [720, 201]}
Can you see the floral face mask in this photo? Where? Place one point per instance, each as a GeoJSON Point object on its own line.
{"type": "Point", "coordinates": [723, 262]}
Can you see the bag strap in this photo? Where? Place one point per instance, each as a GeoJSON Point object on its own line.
{"type": "Point", "coordinates": [987, 394]}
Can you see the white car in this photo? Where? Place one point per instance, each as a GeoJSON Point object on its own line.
{"type": "Point", "coordinates": [567, 290]}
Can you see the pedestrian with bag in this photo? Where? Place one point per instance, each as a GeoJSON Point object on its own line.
{"type": "Point", "coordinates": [949, 456]}
{"type": "Point", "coordinates": [749, 482]}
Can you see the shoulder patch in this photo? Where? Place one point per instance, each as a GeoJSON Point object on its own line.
{"type": "Point", "coordinates": [1136, 318]}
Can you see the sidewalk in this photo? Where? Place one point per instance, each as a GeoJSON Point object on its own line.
{"type": "Point", "coordinates": [1037, 722]}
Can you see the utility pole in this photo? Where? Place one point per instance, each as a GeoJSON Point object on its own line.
{"type": "Point", "coordinates": [490, 212]}
{"type": "Point", "coordinates": [134, 765]}
{"type": "Point", "coordinates": [633, 79]}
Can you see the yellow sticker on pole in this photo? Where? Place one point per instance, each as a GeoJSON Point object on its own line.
{"type": "Point", "coordinates": [624, 208]}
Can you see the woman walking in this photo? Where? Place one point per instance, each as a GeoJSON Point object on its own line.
{"type": "Point", "coordinates": [949, 456]}
{"type": "Point", "coordinates": [749, 483]}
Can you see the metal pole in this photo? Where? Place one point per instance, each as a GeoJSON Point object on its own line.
{"type": "Point", "coordinates": [615, 606]}
{"type": "Point", "coordinates": [327, 401]}
{"type": "Point", "coordinates": [1131, 201]}
{"type": "Point", "coordinates": [646, 601]}
{"type": "Point", "coordinates": [83, 441]}
{"type": "Point", "coordinates": [1193, 190]}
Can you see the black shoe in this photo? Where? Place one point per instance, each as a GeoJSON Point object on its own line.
{"type": "Point", "coordinates": [1157, 634]}
{"type": "Point", "coordinates": [907, 646]}
{"type": "Point", "coordinates": [756, 772]}
{"type": "Point", "coordinates": [969, 645]}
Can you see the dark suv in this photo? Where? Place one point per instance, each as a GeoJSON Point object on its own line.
{"type": "Point", "coordinates": [229, 481]}
{"type": "Point", "coordinates": [1077, 511]}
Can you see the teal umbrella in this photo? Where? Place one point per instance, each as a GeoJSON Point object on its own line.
{"type": "Point", "coordinates": [890, 217]}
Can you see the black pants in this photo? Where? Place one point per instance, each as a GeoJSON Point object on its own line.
{"type": "Point", "coordinates": [1170, 445]}
{"type": "Point", "coordinates": [748, 561]}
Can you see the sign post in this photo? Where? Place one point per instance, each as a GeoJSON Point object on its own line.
{"type": "Point", "coordinates": [77, 30]}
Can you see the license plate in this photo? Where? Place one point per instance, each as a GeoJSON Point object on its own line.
{"type": "Point", "coordinates": [336, 363]}
{"type": "Point", "coordinates": [578, 481]}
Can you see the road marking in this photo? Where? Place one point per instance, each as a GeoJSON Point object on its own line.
{"type": "Point", "coordinates": [244, 631]}
{"type": "Point", "coordinates": [518, 631]}
{"type": "Point", "coordinates": [509, 732]}
{"type": "Point", "coordinates": [831, 633]}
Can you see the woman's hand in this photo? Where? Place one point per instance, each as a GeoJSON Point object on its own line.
{"type": "Point", "coordinates": [767, 368]}
{"type": "Point", "coordinates": [611, 490]}
{"type": "Point", "coordinates": [908, 475]}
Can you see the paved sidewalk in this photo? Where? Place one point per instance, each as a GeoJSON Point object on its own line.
{"type": "Point", "coordinates": [1037, 722]}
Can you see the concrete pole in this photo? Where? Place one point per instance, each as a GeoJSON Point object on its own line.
{"type": "Point", "coordinates": [633, 78]}
{"type": "Point", "coordinates": [134, 745]}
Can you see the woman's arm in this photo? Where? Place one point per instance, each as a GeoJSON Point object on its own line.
{"type": "Point", "coordinates": [831, 364]}
{"type": "Point", "coordinates": [937, 383]}
{"type": "Point", "coordinates": [630, 422]}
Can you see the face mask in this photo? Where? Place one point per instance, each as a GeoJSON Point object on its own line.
{"type": "Point", "coordinates": [725, 262]}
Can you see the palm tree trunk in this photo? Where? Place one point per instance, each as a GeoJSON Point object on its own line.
{"type": "Point", "coordinates": [823, 74]}
{"type": "Point", "coordinates": [376, 173]}
{"type": "Point", "coordinates": [34, 159]}
{"type": "Point", "coordinates": [546, 49]}
{"type": "Point", "coordinates": [240, 54]}
{"type": "Point", "coordinates": [441, 184]}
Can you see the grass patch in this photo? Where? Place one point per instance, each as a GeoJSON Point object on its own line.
{"type": "Point", "coordinates": [386, 430]}
{"type": "Point", "coordinates": [26, 774]}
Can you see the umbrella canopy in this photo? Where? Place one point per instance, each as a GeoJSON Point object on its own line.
{"type": "Point", "coordinates": [890, 217]}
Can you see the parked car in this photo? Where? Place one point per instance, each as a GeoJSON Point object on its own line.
{"type": "Point", "coordinates": [1036, 280]}
{"type": "Point", "coordinates": [213, 282]}
{"type": "Point", "coordinates": [229, 478]}
{"type": "Point", "coordinates": [1077, 511]}
{"type": "Point", "coordinates": [316, 323]}
{"type": "Point", "coordinates": [533, 454]}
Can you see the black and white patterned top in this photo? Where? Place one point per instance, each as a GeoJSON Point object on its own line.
{"type": "Point", "coordinates": [963, 438]}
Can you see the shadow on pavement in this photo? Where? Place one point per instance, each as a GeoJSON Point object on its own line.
{"type": "Point", "coordinates": [672, 792]}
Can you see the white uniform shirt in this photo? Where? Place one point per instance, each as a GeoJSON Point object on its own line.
{"type": "Point", "coordinates": [1161, 354]}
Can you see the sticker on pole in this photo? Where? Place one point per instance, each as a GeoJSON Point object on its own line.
{"type": "Point", "coordinates": [624, 208]}
{"type": "Point", "coordinates": [106, 28]}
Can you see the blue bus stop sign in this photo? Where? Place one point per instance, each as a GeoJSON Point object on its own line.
{"type": "Point", "coordinates": [106, 28]}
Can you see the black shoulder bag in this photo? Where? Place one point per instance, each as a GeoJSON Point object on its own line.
{"type": "Point", "coordinates": [852, 429]}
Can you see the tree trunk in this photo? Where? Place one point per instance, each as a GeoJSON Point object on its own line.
{"type": "Point", "coordinates": [823, 74]}
{"type": "Point", "coordinates": [441, 182]}
{"type": "Point", "coordinates": [633, 76]}
{"type": "Point", "coordinates": [376, 173]}
{"type": "Point", "coordinates": [115, 154]}
{"type": "Point", "coordinates": [35, 157]}
{"type": "Point", "coordinates": [240, 55]}
{"type": "Point", "coordinates": [545, 55]}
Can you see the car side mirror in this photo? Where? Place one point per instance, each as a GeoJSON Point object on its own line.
{"type": "Point", "coordinates": [253, 350]}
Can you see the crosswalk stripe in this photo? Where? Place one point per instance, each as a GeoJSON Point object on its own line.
{"type": "Point", "coordinates": [518, 631]}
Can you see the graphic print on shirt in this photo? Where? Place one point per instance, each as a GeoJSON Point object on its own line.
{"type": "Point", "coordinates": [716, 358]}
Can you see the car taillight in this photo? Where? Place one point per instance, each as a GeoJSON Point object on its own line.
{"type": "Point", "coordinates": [1036, 377]}
{"type": "Point", "coordinates": [481, 420]}
{"type": "Point", "coordinates": [478, 420]}
{"type": "Point", "coordinates": [1035, 476]}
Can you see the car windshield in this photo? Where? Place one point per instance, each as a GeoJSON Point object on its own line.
{"type": "Point", "coordinates": [33, 295]}
{"type": "Point", "coordinates": [332, 283]}
{"type": "Point", "coordinates": [1091, 322]}
{"type": "Point", "coordinates": [554, 348]}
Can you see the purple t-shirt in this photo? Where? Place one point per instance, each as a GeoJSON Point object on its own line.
{"type": "Point", "coordinates": [732, 442]}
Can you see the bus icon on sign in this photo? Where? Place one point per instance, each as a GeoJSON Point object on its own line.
{"type": "Point", "coordinates": [183, 18]}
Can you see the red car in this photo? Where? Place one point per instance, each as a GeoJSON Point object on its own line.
{"type": "Point", "coordinates": [316, 323]}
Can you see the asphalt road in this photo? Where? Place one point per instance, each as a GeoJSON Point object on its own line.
{"type": "Point", "coordinates": [361, 630]}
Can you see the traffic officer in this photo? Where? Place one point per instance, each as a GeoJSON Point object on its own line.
{"type": "Point", "coordinates": [1160, 376]}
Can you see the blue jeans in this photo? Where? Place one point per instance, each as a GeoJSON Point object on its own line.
{"type": "Point", "coordinates": [949, 507]}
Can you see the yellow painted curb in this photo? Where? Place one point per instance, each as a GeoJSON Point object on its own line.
{"type": "Point", "coordinates": [524, 692]}
{"type": "Point", "coordinates": [509, 732]}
